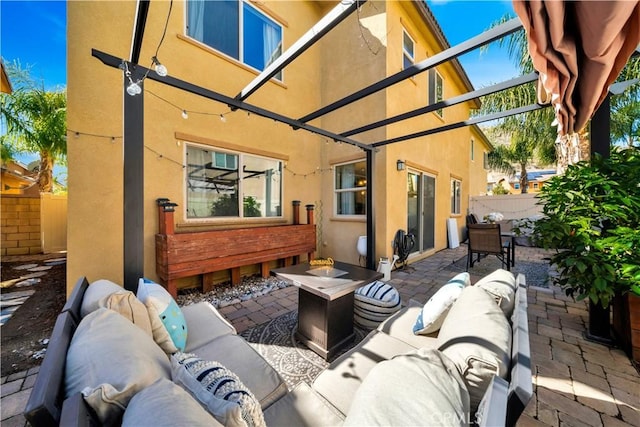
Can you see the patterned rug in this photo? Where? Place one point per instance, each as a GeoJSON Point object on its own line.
{"type": "Point", "coordinates": [536, 273]}
{"type": "Point", "coordinates": [276, 342]}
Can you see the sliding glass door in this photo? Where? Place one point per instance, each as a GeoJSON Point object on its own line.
{"type": "Point", "coordinates": [421, 194]}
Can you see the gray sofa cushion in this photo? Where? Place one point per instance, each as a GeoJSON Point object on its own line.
{"type": "Point", "coordinates": [339, 382]}
{"type": "Point", "coordinates": [400, 326]}
{"type": "Point", "coordinates": [95, 292]}
{"type": "Point", "coordinates": [205, 324]}
{"type": "Point", "coordinates": [109, 360]}
{"type": "Point", "coordinates": [302, 407]}
{"type": "Point", "coordinates": [501, 284]}
{"type": "Point", "coordinates": [165, 404]}
{"type": "Point", "coordinates": [255, 372]}
{"type": "Point", "coordinates": [419, 388]}
{"type": "Point", "coordinates": [476, 336]}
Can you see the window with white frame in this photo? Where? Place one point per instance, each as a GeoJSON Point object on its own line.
{"type": "Point", "coordinates": [350, 188]}
{"type": "Point", "coordinates": [216, 178]}
{"type": "Point", "coordinates": [408, 57]}
{"type": "Point", "coordinates": [237, 29]}
{"type": "Point", "coordinates": [456, 190]}
{"type": "Point", "coordinates": [436, 89]}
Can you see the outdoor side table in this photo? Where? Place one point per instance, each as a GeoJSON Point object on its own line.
{"type": "Point", "coordinates": [325, 303]}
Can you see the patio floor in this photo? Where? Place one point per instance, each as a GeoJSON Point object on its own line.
{"type": "Point", "coordinates": [576, 382]}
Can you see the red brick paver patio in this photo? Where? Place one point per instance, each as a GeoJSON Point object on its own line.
{"type": "Point", "coordinates": [576, 382]}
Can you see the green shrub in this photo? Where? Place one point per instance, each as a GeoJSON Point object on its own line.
{"type": "Point", "coordinates": [591, 218]}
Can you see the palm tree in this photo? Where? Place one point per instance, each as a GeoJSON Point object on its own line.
{"type": "Point", "coordinates": [36, 122]}
{"type": "Point", "coordinates": [625, 120]}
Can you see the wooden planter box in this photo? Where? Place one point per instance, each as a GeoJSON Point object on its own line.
{"type": "Point", "coordinates": [187, 254]}
{"type": "Point", "coordinates": [626, 323]}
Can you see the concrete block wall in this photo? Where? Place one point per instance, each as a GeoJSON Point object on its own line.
{"type": "Point", "coordinates": [20, 225]}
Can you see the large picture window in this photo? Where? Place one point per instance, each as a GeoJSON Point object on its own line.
{"type": "Point", "coordinates": [237, 29]}
{"type": "Point", "coordinates": [350, 188]}
{"type": "Point", "coordinates": [456, 190]}
{"type": "Point", "coordinates": [217, 178]}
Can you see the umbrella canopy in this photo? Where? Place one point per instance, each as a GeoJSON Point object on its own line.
{"type": "Point", "coordinates": [579, 48]}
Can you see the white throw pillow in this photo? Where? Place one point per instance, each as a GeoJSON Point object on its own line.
{"type": "Point", "coordinates": [218, 389]}
{"type": "Point", "coordinates": [436, 309]}
{"type": "Point", "coordinates": [167, 321]}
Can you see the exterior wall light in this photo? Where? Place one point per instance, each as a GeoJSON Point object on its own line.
{"type": "Point", "coordinates": [400, 165]}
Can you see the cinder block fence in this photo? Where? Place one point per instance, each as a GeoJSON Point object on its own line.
{"type": "Point", "coordinates": [20, 225]}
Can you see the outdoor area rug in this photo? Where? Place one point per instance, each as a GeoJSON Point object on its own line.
{"type": "Point", "coordinates": [275, 341]}
{"type": "Point", "coordinates": [536, 273]}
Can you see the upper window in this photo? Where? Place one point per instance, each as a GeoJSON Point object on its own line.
{"type": "Point", "coordinates": [237, 29]}
{"type": "Point", "coordinates": [407, 50]}
{"type": "Point", "coordinates": [473, 154]}
{"type": "Point", "coordinates": [350, 188]}
{"type": "Point", "coordinates": [485, 160]}
{"type": "Point", "coordinates": [456, 186]}
{"type": "Point", "coordinates": [436, 89]}
{"type": "Point", "coordinates": [216, 179]}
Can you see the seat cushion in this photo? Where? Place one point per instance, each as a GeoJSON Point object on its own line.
{"type": "Point", "coordinates": [400, 326]}
{"type": "Point", "coordinates": [501, 284]}
{"type": "Point", "coordinates": [339, 382]}
{"type": "Point", "coordinates": [156, 405]}
{"type": "Point", "coordinates": [374, 303]}
{"type": "Point", "coordinates": [204, 324]}
{"type": "Point", "coordinates": [419, 388]}
{"type": "Point", "coordinates": [302, 407]}
{"type": "Point", "coordinates": [476, 336]}
{"type": "Point", "coordinates": [109, 360]}
{"type": "Point", "coordinates": [218, 389]}
{"type": "Point", "coordinates": [254, 371]}
{"type": "Point", "coordinates": [436, 309]}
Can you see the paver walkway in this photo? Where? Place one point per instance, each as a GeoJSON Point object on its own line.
{"type": "Point", "coordinates": [576, 382]}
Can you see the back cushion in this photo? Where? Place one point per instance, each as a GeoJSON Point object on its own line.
{"type": "Point", "coordinates": [476, 336]}
{"type": "Point", "coordinates": [422, 387]}
{"type": "Point", "coordinates": [109, 360]}
{"type": "Point", "coordinates": [95, 292]}
{"type": "Point", "coordinates": [501, 284]}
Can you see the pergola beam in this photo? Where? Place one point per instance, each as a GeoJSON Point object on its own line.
{"type": "Point", "coordinates": [473, 121]}
{"type": "Point", "coordinates": [487, 37]}
{"type": "Point", "coordinates": [142, 10]}
{"type": "Point", "coordinates": [116, 62]}
{"type": "Point", "coordinates": [328, 22]}
{"type": "Point", "coordinates": [447, 103]}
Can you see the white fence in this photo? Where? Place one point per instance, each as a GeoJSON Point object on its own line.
{"type": "Point", "coordinates": [512, 206]}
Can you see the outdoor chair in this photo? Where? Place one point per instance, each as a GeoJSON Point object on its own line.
{"type": "Point", "coordinates": [486, 239]}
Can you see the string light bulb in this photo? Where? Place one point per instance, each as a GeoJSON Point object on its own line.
{"type": "Point", "coordinates": [223, 119]}
{"type": "Point", "coordinates": [184, 114]}
{"type": "Point", "coordinates": [134, 89]}
{"type": "Point", "coordinates": [160, 69]}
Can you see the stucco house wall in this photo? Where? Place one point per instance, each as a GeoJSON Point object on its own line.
{"type": "Point", "coordinates": [339, 64]}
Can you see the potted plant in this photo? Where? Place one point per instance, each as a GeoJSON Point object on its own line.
{"type": "Point", "coordinates": [591, 218]}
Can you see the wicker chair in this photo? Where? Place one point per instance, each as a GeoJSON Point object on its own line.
{"type": "Point", "coordinates": [485, 239]}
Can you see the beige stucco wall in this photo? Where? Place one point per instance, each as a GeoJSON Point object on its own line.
{"type": "Point", "coordinates": [349, 58]}
{"type": "Point", "coordinates": [95, 106]}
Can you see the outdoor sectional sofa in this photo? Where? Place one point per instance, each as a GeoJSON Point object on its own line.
{"type": "Point", "coordinates": [474, 370]}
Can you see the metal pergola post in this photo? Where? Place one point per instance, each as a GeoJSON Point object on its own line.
{"type": "Point", "coordinates": [133, 183]}
{"type": "Point", "coordinates": [371, 223]}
